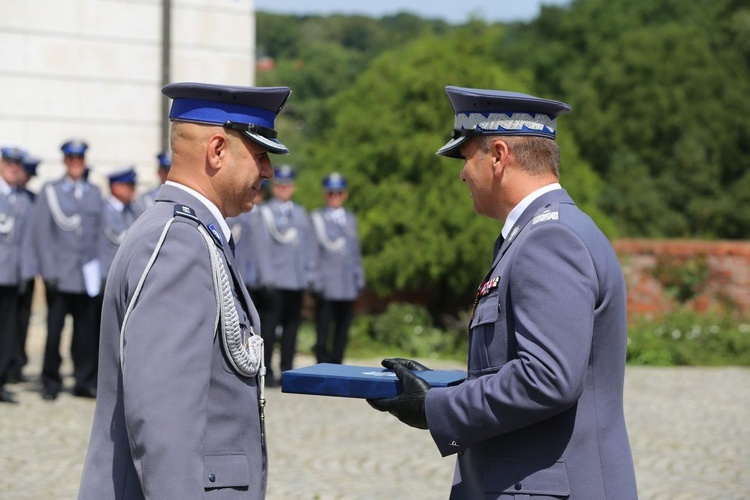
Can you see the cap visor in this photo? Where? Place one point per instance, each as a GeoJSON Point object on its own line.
{"type": "Point", "coordinates": [272, 145]}
{"type": "Point", "coordinates": [451, 148]}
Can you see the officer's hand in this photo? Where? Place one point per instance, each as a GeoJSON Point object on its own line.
{"type": "Point", "coordinates": [409, 405]}
{"type": "Point", "coordinates": [51, 286]}
{"type": "Point", "coordinates": [409, 363]}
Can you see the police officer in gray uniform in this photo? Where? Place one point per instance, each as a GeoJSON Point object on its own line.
{"type": "Point", "coordinates": [340, 277]}
{"type": "Point", "coordinates": [285, 267]}
{"type": "Point", "coordinates": [245, 229]}
{"type": "Point", "coordinates": [29, 267]}
{"type": "Point", "coordinates": [11, 224]}
{"type": "Point", "coordinates": [164, 162]}
{"type": "Point", "coordinates": [180, 406]}
{"type": "Point", "coordinates": [541, 412]}
{"type": "Point", "coordinates": [119, 214]}
{"type": "Point", "coordinates": [67, 226]}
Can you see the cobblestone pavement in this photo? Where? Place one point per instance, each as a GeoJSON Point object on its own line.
{"type": "Point", "coordinates": [688, 428]}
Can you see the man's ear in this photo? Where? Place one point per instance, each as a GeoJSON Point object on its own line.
{"type": "Point", "coordinates": [218, 148]}
{"type": "Point", "coordinates": [500, 155]}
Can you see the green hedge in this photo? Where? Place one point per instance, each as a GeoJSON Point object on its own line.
{"type": "Point", "coordinates": [689, 338]}
{"type": "Point", "coordinates": [681, 338]}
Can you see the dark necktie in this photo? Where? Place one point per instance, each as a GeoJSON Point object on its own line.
{"type": "Point", "coordinates": [231, 245]}
{"type": "Point", "coordinates": [498, 245]}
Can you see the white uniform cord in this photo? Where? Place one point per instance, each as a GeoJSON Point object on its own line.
{"type": "Point", "coordinates": [290, 236]}
{"type": "Point", "coordinates": [336, 246]}
{"type": "Point", "coordinates": [137, 291]}
{"type": "Point", "coordinates": [63, 221]}
{"type": "Point", "coordinates": [7, 223]}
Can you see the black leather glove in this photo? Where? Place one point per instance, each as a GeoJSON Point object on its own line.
{"type": "Point", "coordinates": [409, 363]}
{"type": "Point", "coordinates": [51, 286]}
{"type": "Point", "coordinates": [409, 405]}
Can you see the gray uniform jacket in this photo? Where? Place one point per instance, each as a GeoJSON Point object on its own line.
{"type": "Point", "coordinates": [29, 259]}
{"type": "Point", "coordinates": [147, 199]}
{"type": "Point", "coordinates": [541, 413]}
{"type": "Point", "coordinates": [340, 275]}
{"type": "Point", "coordinates": [245, 229]}
{"type": "Point", "coordinates": [14, 219]}
{"type": "Point", "coordinates": [66, 232]}
{"type": "Point", "coordinates": [176, 421]}
{"type": "Point", "coordinates": [117, 221]}
{"type": "Point", "coordinates": [287, 260]}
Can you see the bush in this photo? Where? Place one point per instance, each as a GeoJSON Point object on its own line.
{"type": "Point", "coordinates": [405, 330]}
{"type": "Point", "coordinates": [688, 338]}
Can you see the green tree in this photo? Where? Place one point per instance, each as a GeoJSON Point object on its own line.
{"type": "Point", "coordinates": [418, 230]}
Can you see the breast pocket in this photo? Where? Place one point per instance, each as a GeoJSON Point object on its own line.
{"type": "Point", "coordinates": [482, 332]}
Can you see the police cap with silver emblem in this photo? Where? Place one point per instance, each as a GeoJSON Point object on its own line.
{"type": "Point", "coordinates": [250, 110]}
{"type": "Point", "coordinates": [283, 175]}
{"type": "Point", "coordinates": [13, 154]}
{"type": "Point", "coordinates": [124, 176]}
{"type": "Point", "coordinates": [334, 182]}
{"type": "Point", "coordinates": [74, 147]}
{"type": "Point", "coordinates": [497, 112]}
{"type": "Point", "coordinates": [165, 160]}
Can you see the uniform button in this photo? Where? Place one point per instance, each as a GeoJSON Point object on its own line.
{"type": "Point", "coordinates": [212, 477]}
{"type": "Point", "coordinates": [518, 485]}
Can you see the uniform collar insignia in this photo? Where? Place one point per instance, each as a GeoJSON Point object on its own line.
{"type": "Point", "coordinates": [217, 235]}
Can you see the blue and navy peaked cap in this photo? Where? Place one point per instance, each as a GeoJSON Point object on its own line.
{"type": "Point", "coordinates": [165, 160]}
{"type": "Point", "coordinates": [497, 112]}
{"type": "Point", "coordinates": [74, 147]}
{"type": "Point", "coordinates": [13, 154]}
{"type": "Point", "coordinates": [29, 164]}
{"type": "Point", "coordinates": [283, 175]}
{"type": "Point", "coordinates": [125, 176]}
{"type": "Point", "coordinates": [250, 110]}
{"type": "Point", "coordinates": [334, 182]}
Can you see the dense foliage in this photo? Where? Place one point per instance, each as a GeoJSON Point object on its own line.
{"type": "Point", "coordinates": [656, 145]}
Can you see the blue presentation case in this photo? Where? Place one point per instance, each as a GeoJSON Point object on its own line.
{"type": "Point", "coordinates": [349, 381]}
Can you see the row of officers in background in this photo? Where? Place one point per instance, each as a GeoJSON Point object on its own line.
{"type": "Point", "coordinates": [68, 235]}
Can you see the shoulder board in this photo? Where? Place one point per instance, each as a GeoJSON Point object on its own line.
{"type": "Point", "coordinates": [185, 211]}
{"type": "Point", "coordinates": [549, 212]}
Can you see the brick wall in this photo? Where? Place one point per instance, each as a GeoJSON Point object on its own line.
{"type": "Point", "coordinates": [724, 278]}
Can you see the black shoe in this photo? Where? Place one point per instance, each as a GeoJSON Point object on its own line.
{"type": "Point", "coordinates": [85, 392]}
{"type": "Point", "coordinates": [49, 394]}
{"type": "Point", "coordinates": [7, 397]}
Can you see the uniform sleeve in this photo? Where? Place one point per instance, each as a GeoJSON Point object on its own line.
{"type": "Point", "coordinates": [359, 271]}
{"type": "Point", "coordinates": [167, 367]}
{"type": "Point", "coordinates": [309, 252]}
{"type": "Point", "coordinates": [552, 290]}
{"type": "Point", "coordinates": [261, 247]}
{"type": "Point", "coordinates": [42, 230]}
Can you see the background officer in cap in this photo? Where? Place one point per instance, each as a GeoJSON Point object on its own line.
{"type": "Point", "coordinates": [119, 214]}
{"type": "Point", "coordinates": [67, 226]}
{"type": "Point", "coordinates": [11, 224]}
{"type": "Point", "coordinates": [164, 162]}
{"type": "Point", "coordinates": [340, 277]}
{"type": "Point", "coordinates": [120, 211]}
{"type": "Point", "coordinates": [179, 412]}
{"type": "Point", "coordinates": [286, 267]}
{"type": "Point", "coordinates": [541, 412]}
{"type": "Point", "coordinates": [29, 266]}
{"type": "Point", "coordinates": [247, 235]}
